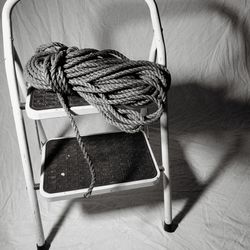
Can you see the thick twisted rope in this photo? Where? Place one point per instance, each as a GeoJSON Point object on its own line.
{"type": "Point", "coordinates": [106, 79]}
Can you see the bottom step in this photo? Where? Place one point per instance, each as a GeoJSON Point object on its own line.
{"type": "Point", "coordinates": [122, 161]}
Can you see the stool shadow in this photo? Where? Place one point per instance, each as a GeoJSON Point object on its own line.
{"type": "Point", "coordinates": [215, 103]}
{"type": "Point", "coordinates": [105, 203]}
{"type": "Point", "coordinates": [206, 111]}
{"type": "Point", "coordinates": [56, 227]}
{"type": "Point", "coordinates": [185, 184]}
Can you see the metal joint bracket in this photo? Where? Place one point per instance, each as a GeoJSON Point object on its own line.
{"type": "Point", "coordinates": [161, 168]}
{"type": "Point", "coordinates": [22, 106]}
{"type": "Point", "coordinates": [37, 186]}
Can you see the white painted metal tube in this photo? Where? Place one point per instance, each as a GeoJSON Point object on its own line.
{"type": "Point", "coordinates": [19, 123]}
{"type": "Point", "coordinates": [20, 79]}
{"type": "Point", "coordinates": [19, 74]}
{"type": "Point", "coordinates": [158, 35]}
{"type": "Point", "coordinates": [152, 52]}
{"type": "Point", "coordinates": [160, 52]}
{"type": "Point", "coordinates": [166, 172]}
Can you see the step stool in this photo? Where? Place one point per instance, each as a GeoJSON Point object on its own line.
{"type": "Point", "coordinates": [122, 161]}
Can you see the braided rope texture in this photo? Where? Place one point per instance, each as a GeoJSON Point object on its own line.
{"type": "Point", "coordinates": [106, 79]}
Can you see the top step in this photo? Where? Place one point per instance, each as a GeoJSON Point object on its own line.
{"type": "Point", "coordinates": [41, 104]}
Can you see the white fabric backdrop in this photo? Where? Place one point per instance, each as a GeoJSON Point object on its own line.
{"type": "Point", "coordinates": [209, 119]}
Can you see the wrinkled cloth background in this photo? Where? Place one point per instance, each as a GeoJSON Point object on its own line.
{"type": "Point", "coordinates": [209, 120]}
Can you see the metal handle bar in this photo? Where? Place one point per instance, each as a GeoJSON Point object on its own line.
{"type": "Point", "coordinates": [158, 40]}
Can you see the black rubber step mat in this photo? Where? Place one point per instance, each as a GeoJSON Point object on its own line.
{"type": "Point", "coordinates": [117, 158]}
{"type": "Point", "coordinates": [42, 100]}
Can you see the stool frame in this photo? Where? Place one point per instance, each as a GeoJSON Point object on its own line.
{"type": "Point", "coordinates": [15, 79]}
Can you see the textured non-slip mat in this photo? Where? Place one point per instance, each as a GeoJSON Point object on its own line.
{"type": "Point", "coordinates": [41, 100]}
{"type": "Point", "coordinates": [117, 158]}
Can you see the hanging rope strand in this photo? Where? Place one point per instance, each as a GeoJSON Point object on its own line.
{"type": "Point", "coordinates": [106, 79]}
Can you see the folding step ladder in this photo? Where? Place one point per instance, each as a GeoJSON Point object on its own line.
{"type": "Point", "coordinates": [64, 173]}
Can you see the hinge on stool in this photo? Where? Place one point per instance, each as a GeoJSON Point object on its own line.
{"type": "Point", "coordinates": [22, 105]}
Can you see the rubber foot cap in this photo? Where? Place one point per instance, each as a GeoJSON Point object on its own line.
{"type": "Point", "coordinates": [46, 246]}
{"type": "Point", "coordinates": [170, 228]}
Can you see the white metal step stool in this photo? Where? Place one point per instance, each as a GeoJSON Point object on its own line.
{"type": "Point", "coordinates": [61, 176]}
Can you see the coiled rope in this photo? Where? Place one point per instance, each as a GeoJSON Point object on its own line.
{"type": "Point", "coordinates": [106, 79]}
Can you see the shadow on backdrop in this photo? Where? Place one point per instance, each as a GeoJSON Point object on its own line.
{"type": "Point", "coordinates": [194, 105]}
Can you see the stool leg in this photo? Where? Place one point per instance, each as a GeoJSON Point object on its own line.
{"type": "Point", "coordinates": [168, 225]}
{"type": "Point", "coordinates": [167, 200]}
{"type": "Point", "coordinates": [41, 243]}
{"type": "Point", "coordinates": [12, 75]}
{"type": "Point", "coordinates": [29, 179]}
